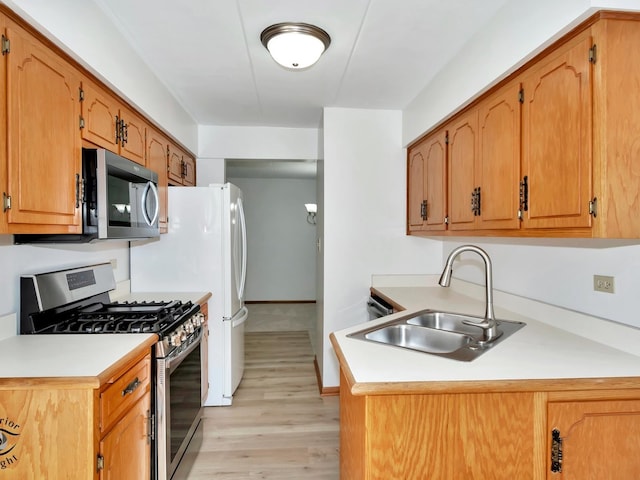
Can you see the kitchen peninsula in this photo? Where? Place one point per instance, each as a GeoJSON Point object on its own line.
{"type": "Point", "coordinates": [405, 414]}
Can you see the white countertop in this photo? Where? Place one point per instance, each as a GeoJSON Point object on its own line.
{"type": "Point", "coordinates": [554, 344]}
{"type": "Point", "coordinates": [64, 356]}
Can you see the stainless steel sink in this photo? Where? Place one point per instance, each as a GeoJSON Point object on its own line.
{"type": "Point", "coordinates": [439, 333]}
{"type": "Point", "coordinates": [418, 338]}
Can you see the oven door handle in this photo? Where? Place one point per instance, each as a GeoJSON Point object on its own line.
{"type": "Point", "coordinates": [171, 363]}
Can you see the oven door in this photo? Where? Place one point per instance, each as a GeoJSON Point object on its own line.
{"type": "Point", "coordinates": [178, 404]}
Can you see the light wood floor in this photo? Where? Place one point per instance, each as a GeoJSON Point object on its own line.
{"type": "Point", "coordinates": [278, 427]}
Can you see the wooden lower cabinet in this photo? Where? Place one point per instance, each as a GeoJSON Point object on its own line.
{"type": "Point", "coordinates": [493, 435]}
{"type": "Point", "coordinates": [77, 428]}
{"type": "Point", "coordinates": [594, 439]}
{"type": "Point", "coordinates": [125, 448]}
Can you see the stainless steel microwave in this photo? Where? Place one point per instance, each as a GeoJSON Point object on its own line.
{"type": "Point", "coordinates": [120, 201]}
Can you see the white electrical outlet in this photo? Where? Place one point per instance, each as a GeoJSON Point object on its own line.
{"type": "Point", "coordinates": [603, 283]}
{"type": "Point", "coordinates": [114, 263]}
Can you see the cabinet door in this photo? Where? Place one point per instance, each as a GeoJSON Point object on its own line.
{"type": "Point", "coordinates": [463, 148]}
{"type": "Point", "coordinates": [599, 439]}
{"type": "Point", "coordinates": [189, 178]}
{"type": "Point", "coordinates": [126, 449]}
{"type": "Point", "coordinates": [557, 135]}
{"type": "Point", "coordinates": [427, 183]}
{"type": "Point", "coordinates": [99, 111]}
{"type": "Point", "coordinates": [435, 181]}
{"type": "Point", "coordinates": [416, 201]}
{"type": "Point", "coordinates": [44, 148]}
{"type": "Point", "coordinates": [175, 168]}
{"type": "Point", "coordinates": [134, 136]}
{"type": "Point", "coordinates": [157, 154]}
{"type": "Point", "coordinates": [498, 167]}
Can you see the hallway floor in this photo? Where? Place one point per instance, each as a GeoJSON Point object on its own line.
{"type": "Point", "coordinates": [279, 427]}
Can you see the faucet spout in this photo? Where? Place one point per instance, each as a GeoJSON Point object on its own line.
{"type": "Point", "coordinates": [489, 324]}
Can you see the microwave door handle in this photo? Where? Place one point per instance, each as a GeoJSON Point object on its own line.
{"type": "Point", "coordinates": [150, 187]}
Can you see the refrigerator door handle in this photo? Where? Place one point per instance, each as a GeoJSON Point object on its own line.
{"type": "Point", "coordinates": [243, 226]}
{"type": "Point", "coordinates": [241, 317]}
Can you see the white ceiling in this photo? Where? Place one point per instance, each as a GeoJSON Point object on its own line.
{"type": "Point", "coordinates": [208, 53]}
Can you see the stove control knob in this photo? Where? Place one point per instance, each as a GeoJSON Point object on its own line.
{"type": "Point", "coordinates": [183, 333]}
{"type": "Point", "coordinates": [198, 319]}
{"type": "Point", "coordinates": [175, 339]}
{"type": "Point", "coordinates": [188, 327]}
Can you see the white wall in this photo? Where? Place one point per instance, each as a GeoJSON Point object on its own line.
{"type": "Point", "coordinates": [86, 34]}
{"type": "Point", "coordinates": [269, 143]}
{"type": "Point", "coordinates": [281, 258]}
{"type": "Point", "coordinates": [16, 260]}
{"type": "Point", "coordinates": [364, 218]}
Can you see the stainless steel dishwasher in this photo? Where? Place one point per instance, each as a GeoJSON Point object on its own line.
{"type": "Point", "coordinates": [377, 307]}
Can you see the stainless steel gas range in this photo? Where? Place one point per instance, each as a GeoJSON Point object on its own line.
{"type": "Point", "coordinates": [76, 301]}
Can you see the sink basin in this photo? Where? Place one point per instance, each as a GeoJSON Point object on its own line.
{"type": "Point", "coordinates": [437, 333]}
{"type": "Point", "coordinates": [451, 322]}
{"type": "Point", "coordinates": [418, 338]}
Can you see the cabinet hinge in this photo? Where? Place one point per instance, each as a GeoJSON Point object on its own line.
{"type": "Point", "coordinates": [423, 210]}
{"type": "Point", "coordinates": [446, 220]}
{"type": "Point", "coordinates": [593, 54]}
{"type": "Point", "coordinates": [6, 45]}
{"type": "Point", "coordinates": [556, 451]}
{"type": "Point", "coordinates": [100, 463]}
{"type": "Point", "coordinates": [593, 207]}
{"type": "Point", "coordinates": [81, 94]}
{"type": "Point", "coordinates": [6, 202]}
{"type": "Point", "coordinates": [81, 122]}
{"type": "Point", "coordinates": [521, 95]}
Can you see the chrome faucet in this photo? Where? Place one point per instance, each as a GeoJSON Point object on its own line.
{"type": "Point", "coordinates": [488, 325]}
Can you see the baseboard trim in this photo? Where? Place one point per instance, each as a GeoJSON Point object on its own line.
{"type": "Point", "coordinates": [324, 391]}
{"type": "Point", "coordinates": [278, 301]}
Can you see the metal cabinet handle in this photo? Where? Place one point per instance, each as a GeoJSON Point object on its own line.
{"type": "Point", "coordinates": [131, 387]}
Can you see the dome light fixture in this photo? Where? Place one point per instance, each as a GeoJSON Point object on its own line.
{"type": "Point", "coordinates": [295, 45]}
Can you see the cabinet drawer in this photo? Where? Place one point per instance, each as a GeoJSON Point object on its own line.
{"type": "Point", "coordinates": [120, 396]}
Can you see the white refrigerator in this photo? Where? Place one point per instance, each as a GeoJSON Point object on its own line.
{"type": "Point", "coordinates": [205, 249]}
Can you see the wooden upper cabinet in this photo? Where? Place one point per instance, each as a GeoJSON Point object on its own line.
{"type": "Point", "coordinates": [426, 181]}
{"type": "Point", "coordinates": [596, 439]}
{"type": "Point", "coordinates": [463, 151]}
{"type": "Point", "coordinates": [557, 137]}
{"type": "Point", "coordinates": [416, 202]}
{"type": "Point", "coordinates": [134, 132]}
{"type": "Point", "coordinates": [111, 125]}
{"type": "Point", "coordinates": [157, 158]}
{"type": "Point", "coordinates": [100, 111]}
{"type": "Point", "coordinates": [189, 171]}
{"type": "Point", "coordinates": [175, 166]}
{"type": "Point", "coordinates": [44, 144]}
{"type": "Point", "coordinates": [617, 127]}
{"type": "Point", "coordinates": [181, 167]}
{"type": "Point", "coordinates": [498, 163]}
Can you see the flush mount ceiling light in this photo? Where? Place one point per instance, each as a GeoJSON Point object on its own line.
{"type": "Point", "coordinates": [295, 45]}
